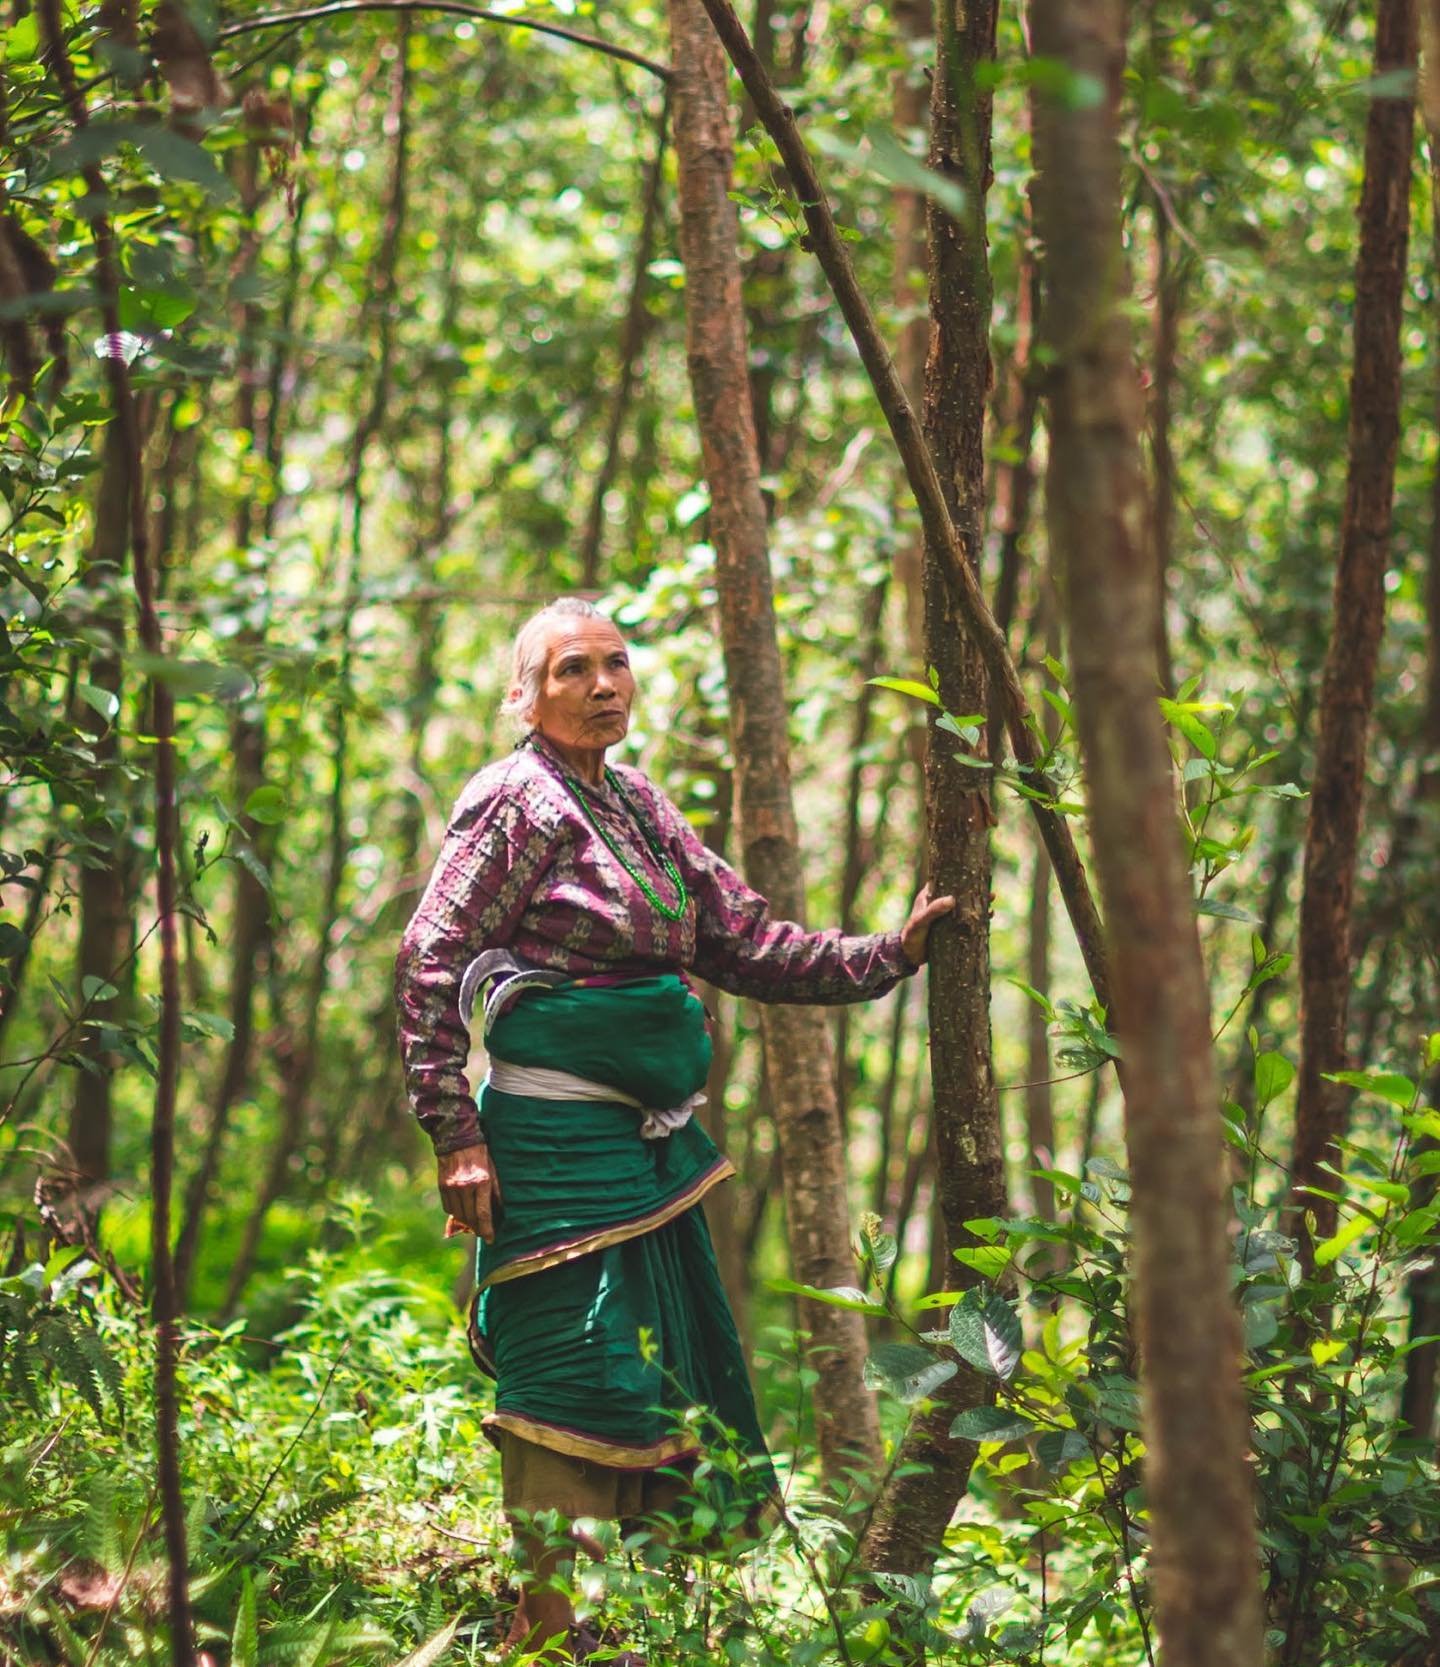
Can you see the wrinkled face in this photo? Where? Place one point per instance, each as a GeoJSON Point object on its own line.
{"type": "Point", "coordinates": [585, 695]}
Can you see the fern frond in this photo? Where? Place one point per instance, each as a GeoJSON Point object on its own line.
{"type": "Point", "coordinates": [306, 1515]}
{"type": "Point", "coordinates": [100, 1530]}
{"type": "Point", "coordinates": [244, 1645]}
{"type": "Point", "coordinates": [433, 1648]}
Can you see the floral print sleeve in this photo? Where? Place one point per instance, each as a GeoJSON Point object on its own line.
{"type": "Point", "coordinates": [741, 948]}
{"type": "Point", "coordinates": [494, 852]}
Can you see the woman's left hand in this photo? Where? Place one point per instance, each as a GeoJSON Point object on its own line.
{"type": "Point", "coordinates": [915, 933]}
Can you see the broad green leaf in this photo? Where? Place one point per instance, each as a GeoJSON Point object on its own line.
{"type": "Point", "coordinates": [907, 1371]}
{"type": "Point", "coordinates": [1057, 1448]}
{"type": "Point", "coordinates": [906, 686]}
{"type": "Point", "coordinates": [988, 1260]}
{"type": "Point", "coordinates": [1273, 1075]}
{"type": "Point", "coordinates": [1384, 1085]}
{"type": "Point", "coordinates": [266, 805]}
{"type": "Point", "coordinates": [104, 701]}
{"type": "Point", "coordinates": [1338, 1243]}
{"type": "Point", "coordinates": [990, 1424]}
{"type": "Point", "coordinates": [985, 1331]}
{"type": "Point", "coordinates": [842, 1296]}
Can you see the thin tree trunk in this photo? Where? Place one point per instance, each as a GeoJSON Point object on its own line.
{"type": "Point", "coordinates": [853, 863]}
{"type": "Point", "coordinates": [106, 900]}
{"type": "Point", "coordinates": [909, 109]}
{"type": "Point", "coordinates": [797, 1039]}
{"type": "Point", "coordinates": [1417, 1397]}
{"type": "Point", "coordinates": [164, 1304]}
{"type": "Point", "coordinates": [909, 1522]}
{"type": "Point", "coordinates": [632, 342]}
{"type": "Point", "coordinates": [969, 600]}
{"type": "Point", "coordinates": [1197, 1437]}
{"type": "Point", "coordinates": [1039, 1098]}
{"type": "Point", "coordinates": [1166, 338]}
{"type": "Point", "coordinates": [1348, 686]}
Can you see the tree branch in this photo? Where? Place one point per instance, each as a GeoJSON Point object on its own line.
{"type": "Point", "coordinates": [456, 8]}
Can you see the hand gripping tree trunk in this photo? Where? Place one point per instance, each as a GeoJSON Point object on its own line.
{"type": "Point", "coordinates": [1196, 1474]}
{"type": "Point", "coordinates": [797, 1040]}
{"type": "Point", "coordinates": [1348, 688]}
{"type": "Point", "coordinates": [909, 1523]}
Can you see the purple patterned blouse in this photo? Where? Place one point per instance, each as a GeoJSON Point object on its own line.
{"type": "Point", "coordinates": [523, 867]}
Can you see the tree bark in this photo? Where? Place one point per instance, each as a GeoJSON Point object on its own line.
{"type": "Point", "coordinates": [1417, 1397]}
{"type": "Point", "coordinates": [908, 1525]}
{"type": "Point", "coordinates": [1347, 689]}
{"type": "Point", "coordinates": [1197, 1438]}
{"type": "Point", "coordinates": [106, 900]}
{"type": "Point", "coordinates": [797, 1040]}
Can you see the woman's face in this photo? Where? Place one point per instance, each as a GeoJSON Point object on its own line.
{"type": "Point", "coordinates": [585, 695]}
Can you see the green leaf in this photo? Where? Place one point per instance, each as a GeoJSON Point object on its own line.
{"type": "Point", "coordinates": [989, 1424]}
{"type": "Point", "coordinates": [907, 1371]}
{"type": "Point", "coordinates": [882, 155]}
{"type": "Point", "coordinates": [1180, 717]}
{"type": "Point", "coordinates": [1338, 1243]}
{"type": "Point", "coordinates": [906, 686]}
{"type": "Point", "coordinates": [1057, 1448]}
{"type": "Point", "coordinates": [245, 1641]}
{"type": "Point", "coordinates": [94, 989]}
{"type": "Point", "coordinates": [1261, 1323]}
{"type": "Point", "coordinates": [1225, 911]}
{"type": "Point", "coordinates": [266, 805]}
{"type": "Point", "coordinates": [842, 1296]}
{"type": "Point", "coordinates": [988, 1260]}
{"type": "Point", "coordinates": [1273, 1075]}
{"type": "Point", "coordinates": [985, 1331]}
{"type": "Point", "coordinates": [1384, 1085]}
{"type": "Point", "coordinates": [104, 701]}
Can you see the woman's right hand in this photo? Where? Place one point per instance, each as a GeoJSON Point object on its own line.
{"type": "Point", "coordinates": [468, 1186]}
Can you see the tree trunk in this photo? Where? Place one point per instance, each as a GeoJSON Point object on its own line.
{"type": "Point", "coordinates": [1417, 1398]}
{"type": "Point", "coordinates": [797, 1040]}
{"type": "Point", "coordinates": [106, 901]}
{"type": "Point", "coordinates": [908, 1526]}
{"type": "Point", "coordinates": [1348, 686]}
{"type": "Point", "coordinates": [1197, 1438]}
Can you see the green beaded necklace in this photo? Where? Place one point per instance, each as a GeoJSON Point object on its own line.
{"type": "Point", "coordinates": [674, 911]}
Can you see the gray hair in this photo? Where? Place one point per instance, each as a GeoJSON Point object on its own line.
{"type": "Point", "coordinates": [527, 669]}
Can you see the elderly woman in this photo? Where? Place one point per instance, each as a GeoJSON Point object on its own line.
{"type": "Point", "coordinates": [568, 903]}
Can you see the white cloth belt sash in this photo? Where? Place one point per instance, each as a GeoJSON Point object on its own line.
{"type": "Point", "coordinates": [540, 1082]}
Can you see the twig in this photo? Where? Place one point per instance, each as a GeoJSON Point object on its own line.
{"type": "Point", "coordinates": [456, 8]}
{"type": "Point", "coordinates": [284, 1458]}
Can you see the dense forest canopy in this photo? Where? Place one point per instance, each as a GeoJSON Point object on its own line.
{"type": "Point", "coordinates": [339, 340]}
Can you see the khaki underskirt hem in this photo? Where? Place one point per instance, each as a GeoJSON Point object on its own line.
{"type": "Point", "coordinates": [561, 1440]}
{"type": "Point", "coordinates": [721, 1170]}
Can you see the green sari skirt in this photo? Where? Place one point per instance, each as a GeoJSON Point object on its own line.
{"type": "Point", "coordinates": [599, 1309]}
